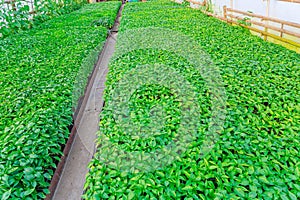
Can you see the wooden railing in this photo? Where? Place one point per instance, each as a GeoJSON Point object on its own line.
{"type": "Point", "coordinates": [266, 26]}
{"type": "Point", "coordinates": [198, 3]}
{"type": "Point", "coordinates": [292, 1]}
{"type": "Point", "coordinates": [241, 18]}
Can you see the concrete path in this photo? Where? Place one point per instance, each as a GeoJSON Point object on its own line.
{"type": "Point", "coordinates": [71, 182]}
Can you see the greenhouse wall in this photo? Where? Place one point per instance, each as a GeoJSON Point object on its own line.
{"type": "Point", "coordinates": [288, 11]}
{"type": "Point", "coordinates": [282, 10]}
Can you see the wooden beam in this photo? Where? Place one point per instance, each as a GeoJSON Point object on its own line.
{"type": "Point", "coordinates": [291, 1]}
{"type": "Point", "coordinates": [195, 2]}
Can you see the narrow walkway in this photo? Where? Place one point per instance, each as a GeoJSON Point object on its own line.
{"type": "Point", "coordinates": [71, 182]}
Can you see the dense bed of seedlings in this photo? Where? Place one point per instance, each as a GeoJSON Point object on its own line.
{"type": "Point", "coordinates": [39, 68]}
{"type": "Point", "coordinates": [257, 155]}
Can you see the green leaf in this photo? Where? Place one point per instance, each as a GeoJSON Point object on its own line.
{"type": "Point", "coordinates": [6, 195]}
{"type": "Point", "coordinates": [28, 192]}
{"type": "Point", "coordinates": [252, 194]}
{"type": "Point", "coordinates": [292, 196]}
{"type": "Point", "coordinates": [263, 179]}
{"type": "Point", "coordinates": [188, 187]}
{"type": "Point", "coordinates": [239, 192]}
{"type": "Point", "coordinates": [131, 195]}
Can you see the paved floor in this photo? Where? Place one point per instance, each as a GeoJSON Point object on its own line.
{"type": "Point", "coordinates": [72, 180]}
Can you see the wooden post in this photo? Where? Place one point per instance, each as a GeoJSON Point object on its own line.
{"type": "Point", "coordinates": [268, 14]}
{"type": "Point", "coordinates": [225, 12]}
{"type": "Point", "coordinates": [281, 33]}
{"type": "Point", "coordinates": [262, 33]}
